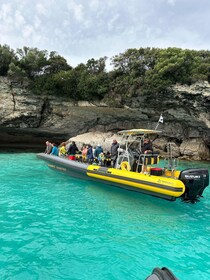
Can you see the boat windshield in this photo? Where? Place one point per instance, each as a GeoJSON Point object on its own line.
{"type": "Point", "coordinates": [131, 144]}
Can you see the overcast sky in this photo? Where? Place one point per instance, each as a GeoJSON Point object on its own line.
{"type": "Point", "coordinates": [83, 29]}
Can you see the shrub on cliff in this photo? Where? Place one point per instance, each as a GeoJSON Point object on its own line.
{"type": "Point", "coordinates": [6, 56]}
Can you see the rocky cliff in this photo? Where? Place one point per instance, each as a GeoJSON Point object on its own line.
{"type": "Point", "coordinates": [27, 120]}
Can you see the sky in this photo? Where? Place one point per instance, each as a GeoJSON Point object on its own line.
{"type": "Point", "coordinates": [80, 30]}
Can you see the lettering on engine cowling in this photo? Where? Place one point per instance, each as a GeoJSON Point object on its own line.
{"type": "Point", "coordinates": [192, 176]}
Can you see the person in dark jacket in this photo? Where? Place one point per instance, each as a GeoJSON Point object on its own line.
{"type": "Point", "coordinates": [146, 149]}
{"type": "Point", "coordinates": [147, 146]}
{"type": "Point", "coordinates": [114, 152]}
{"type": "Point", "coordinates": [90, 154]}
{"type": "Point", "coordinates": [72, 149]}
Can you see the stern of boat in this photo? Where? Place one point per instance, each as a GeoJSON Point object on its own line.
{"type": "Point", "coordinates": [195, 181]}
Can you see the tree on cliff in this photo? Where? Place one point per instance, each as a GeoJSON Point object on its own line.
{"type": "Point", "coordinates": [135, 72]}
{"type": "Point", "coordinates": [32, 61]}
{"type": "Point", "coordinates": [93, 82]}
{"type": "Point", "coordinates": [83, 82]}
{"type": "Point", "coordinates": [56, 63]}
{"type": "Point", "coordinates": [130, 69]}
{"type": "Point", "coordinates": [174, 65]}
{"type": "Point", "coordinates": [6, 56]}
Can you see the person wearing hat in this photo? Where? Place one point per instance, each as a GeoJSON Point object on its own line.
{"type": "Point", "coordinates": [114, 152]}
{"type": "Point", "coordinates": [97, 151]}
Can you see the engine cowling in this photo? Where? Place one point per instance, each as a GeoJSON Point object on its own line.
{"type": "Point", "coordinates": [195, 180]}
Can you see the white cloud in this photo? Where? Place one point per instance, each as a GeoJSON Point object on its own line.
{"type": "Point", "coordinates": [81, 29]}
{"type": "Point", "coordinates": [77, 9]}
{"type": "Point", "coordinates": [27, 31]}
{"type": "Point", "coordinates": [65, 23]}
{"type": "Point", "coordinates": [5, 11]}
{"type": "Point", "coordinates": [112, 22]}
{"type": "Point", "coordinates": [171, 2]}
{"type": "Point", "coordinates": [41, 9]}
{"type": "Point", "coordinates": [94, 5]}
{"type": "Point", "coordinates": [37, 22]}
{"type": "Point", "coordinates": [19, 19]}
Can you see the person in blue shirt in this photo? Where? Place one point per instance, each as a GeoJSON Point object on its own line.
{"type": "Point", "coordinates": [54, 150]}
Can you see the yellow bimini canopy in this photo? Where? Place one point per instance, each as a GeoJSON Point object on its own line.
{"type": "Point", "coordinates": [139, 131]}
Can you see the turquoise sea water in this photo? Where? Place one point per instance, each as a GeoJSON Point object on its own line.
{"type": "Point", "coordinates": [55, 227]}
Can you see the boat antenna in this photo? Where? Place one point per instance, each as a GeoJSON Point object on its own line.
{"type": "Point", "coordinates": [159, 121]}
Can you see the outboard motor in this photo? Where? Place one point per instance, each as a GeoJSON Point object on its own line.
{"type": "Point", "coordinates": [161, 274]}
{"type": "Point", "coordinates": [195, 180]}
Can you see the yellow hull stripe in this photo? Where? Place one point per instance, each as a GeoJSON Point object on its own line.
{"type": "Point", "coordinates": [156, 184]}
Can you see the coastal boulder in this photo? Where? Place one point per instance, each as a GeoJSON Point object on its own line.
{"type": "Point", "coordinates": [194, 149]}
{"type": "Point", "coordinates": [160, 144]}
{"type": "Point", "coordinates": [96, 138]}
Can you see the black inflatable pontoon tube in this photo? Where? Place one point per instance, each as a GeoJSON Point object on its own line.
{"type": "Point", "coordinates": [161, 274]}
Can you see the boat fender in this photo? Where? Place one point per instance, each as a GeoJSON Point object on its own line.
{"type": "Point", "coordinates": [125, 166]}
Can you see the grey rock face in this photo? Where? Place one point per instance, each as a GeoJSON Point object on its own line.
{"type": "Point", "coordinates": [195, 149]}
{"type": "Point", "coordinates": [185, 110]}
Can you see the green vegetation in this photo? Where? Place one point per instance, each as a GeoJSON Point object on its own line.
{"type": "Point", "coordinates": [136, 71]}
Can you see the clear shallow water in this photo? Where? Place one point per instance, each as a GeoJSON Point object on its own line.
{"type": "Point", "coordinates": [55, 227]}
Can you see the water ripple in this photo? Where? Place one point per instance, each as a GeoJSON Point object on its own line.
{"type": "Point", "coordinates": [56, 227]}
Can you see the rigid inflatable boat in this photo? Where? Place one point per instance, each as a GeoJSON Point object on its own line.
{"type": "Point", "coordinates": [168, 182]}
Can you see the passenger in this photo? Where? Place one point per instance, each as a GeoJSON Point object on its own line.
{"type": "Point", "coordinates": [93, 148]}
{"type": "Point", "coordinates": [84, 152]}
{"type": "Point", "coordinates": [101, 159]}
{"type": "Point", "coordinates": [79, 156]}
{"type": "Point", "coordinates": [97, 151]}
{"type": "Point", "coordinates": [48, 147]}
{"type": "Point", "coordinates": [147, 146]}
{"type": "Point", "coordinates": [72, 149]}
{"type": "Point", "coordinates": [62, 150]}
{"type": "Point", "coordinates": [108, 159]}
{"type": "Point", "coordinates": [54, 150]}
{"type": "Point", "coordinates": [90, 154]}
{"type": "Point", "coordinates": [146, 149]}
{"type": "Point", "coordinates": [114, 152]}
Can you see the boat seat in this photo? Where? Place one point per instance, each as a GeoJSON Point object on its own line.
{"type": "Point", "coordinates": [102, 169]}
{"type": "Point", "coordinates": [146, 159]}
{"type": "Point", "coordinates": [149, 159]}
